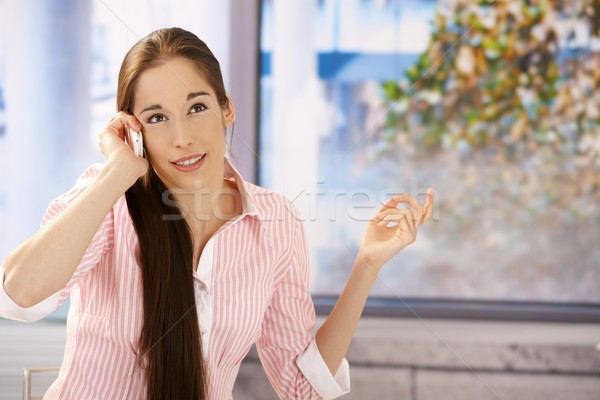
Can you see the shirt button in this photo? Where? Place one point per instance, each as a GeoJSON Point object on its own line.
{"type": "Point", "coordinates": [202, 286]}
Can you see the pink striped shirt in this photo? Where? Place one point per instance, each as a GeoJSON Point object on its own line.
{"type": "Point", "coordinates": [251, 287]}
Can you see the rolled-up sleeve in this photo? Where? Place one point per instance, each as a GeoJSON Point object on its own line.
{"type": "Point", "coordinates": [101, 243]}
{"type": "Point", "coordinates": [11, 310]}
{"type": "Point", "coordinates": [287, 350]}
{"type": "Point", "coordinates": [317, 373]}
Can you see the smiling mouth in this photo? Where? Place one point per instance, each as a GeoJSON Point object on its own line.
{"type": "Point", "coordinates": [190, 161]}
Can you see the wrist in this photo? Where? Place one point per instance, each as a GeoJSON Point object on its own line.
{"type": "Point", "coordinates": [367, 265]}
{"type": "Point", "coordinates": [365, 261]}
{"type": "Point", "coordinates": [119, 174]}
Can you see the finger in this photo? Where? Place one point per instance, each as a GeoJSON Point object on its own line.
{"type": "Point", "coordinates": [122, 121]}
{"type": "Point", "coordinates": [411, 201]}
{"type": "Point", "coordinates": [394, 211]}
{"type": "Point", "coordinates": [391, 203]}
{"type": "Point", "coordinates": [407, 225]}
{"type": "Point", "coordinates": [412, 223]}
{"type": "Point", "coordinates": [380, 215]}
{"type": "Point", "coordinates": [394, 215]}
{"type": "Point", "coordinates": [417, 208]}
{"type": "Point", "coordinates": [400, 221]}
{"type": "Point", "coordinates": [427, 210]}
{"type": "Point", "coordinates": [119, 115]}
{"type": "Point", "coordinates": [416, 214]}
{"type": "Point", "coordinates": [429, 205]}
{"type": "Point", "coordinates": [116, 127]}
{"type": "Point", "coordinates": [407, 199]}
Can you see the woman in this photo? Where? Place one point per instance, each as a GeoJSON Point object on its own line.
{"type": "Point", "coordinates": [175, 265]}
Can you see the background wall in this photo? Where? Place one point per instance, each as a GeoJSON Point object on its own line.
{"type": "Point", "coordinates": [409, 359]}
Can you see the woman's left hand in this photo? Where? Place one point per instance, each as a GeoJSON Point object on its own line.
{"type": "Point", "coordinates": [381, 242]}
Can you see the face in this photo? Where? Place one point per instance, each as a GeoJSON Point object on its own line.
{"type": "Point", "coordinates": [183, 125]}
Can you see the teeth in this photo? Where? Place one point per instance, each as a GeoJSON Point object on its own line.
{"type": "Point", "coordinates": [190, 161]}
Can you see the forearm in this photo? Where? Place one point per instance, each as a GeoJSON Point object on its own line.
{"type": "Point", "coordinates": [45, 262]}
{"type": "Point", "coordinates": [379, 244]}
{"type": "Point", "coordinates": [335, 335]}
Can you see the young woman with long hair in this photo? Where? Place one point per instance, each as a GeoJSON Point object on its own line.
{"type": "Point", "coordinates": [175, 265]}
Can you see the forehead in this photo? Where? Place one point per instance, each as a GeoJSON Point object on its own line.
{"type": "Point", "coordinates": [170, 82]}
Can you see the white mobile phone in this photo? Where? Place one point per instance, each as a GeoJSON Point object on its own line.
{"type": "Point", "coordinates": [136, 142]}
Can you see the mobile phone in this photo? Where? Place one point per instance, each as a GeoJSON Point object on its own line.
{"type": "Point", "coordinates": [136, 142]}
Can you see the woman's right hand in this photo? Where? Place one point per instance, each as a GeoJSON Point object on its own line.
{"type": "Point", "coordinates": [112, 144]}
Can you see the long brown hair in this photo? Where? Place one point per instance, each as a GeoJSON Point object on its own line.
{"type": "Point", "coordinates": [170, 346]}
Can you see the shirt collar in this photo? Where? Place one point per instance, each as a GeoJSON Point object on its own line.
{"type": "Point", "coordinates": [249, 206]}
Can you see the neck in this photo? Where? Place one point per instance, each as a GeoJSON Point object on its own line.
{"type": "Point", "coordinates": [209, 208]}
{"type": "Point", "coordinates": [213, 211]}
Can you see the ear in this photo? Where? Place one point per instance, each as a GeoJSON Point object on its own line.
{"type": "Point", "coordinates": [229, 112]}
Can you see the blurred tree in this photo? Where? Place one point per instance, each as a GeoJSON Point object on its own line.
{"type": "Point", "coordinates": [516, 78]}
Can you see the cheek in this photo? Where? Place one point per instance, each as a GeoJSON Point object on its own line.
{"type": "Point", "coordinates": [209, 129]}
{"type": "Point", "coordinates": [153, 146]}
{"type": "Point", "coordinates": [153, 133]}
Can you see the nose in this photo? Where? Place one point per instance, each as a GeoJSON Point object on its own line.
{"type": "Point", "coordinates": [182, 137]}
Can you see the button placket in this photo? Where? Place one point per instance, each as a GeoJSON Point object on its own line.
{"type": "Point", "coordinates": [202, 282]}
{"type": "Point", "coordinates": [203, 307]}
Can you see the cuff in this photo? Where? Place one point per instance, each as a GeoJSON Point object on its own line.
{"type": "Point", "coordinates": [11, 310]}
{"type": "Point", "coordinates": [317, 373]}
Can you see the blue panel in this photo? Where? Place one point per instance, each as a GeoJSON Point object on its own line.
{"type": "Point", "coordinates": [355, 67]}
{"type": "Point", "coordinates": [360, 67]}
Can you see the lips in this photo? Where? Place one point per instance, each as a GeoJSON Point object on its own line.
{"type": "Point", "coordinates": [189, 163]}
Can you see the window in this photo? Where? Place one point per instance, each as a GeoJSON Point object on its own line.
{"type": "Point", "coordinates": [495, 106]}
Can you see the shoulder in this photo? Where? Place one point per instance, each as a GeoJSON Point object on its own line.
{"type": "Point", "coordinates": [271, 205]}
{"type": "Point", "coordinates": [84, 180]}
{"type": "Point", "coordinates": [92, 171]}
{"type": "Point", "coordinates": [63, 201]}
{"type": "Point", "coordinates": [82, 183]}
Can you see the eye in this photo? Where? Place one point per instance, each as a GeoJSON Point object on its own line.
{"type": "Point", "coordinates": [199, 107]}
{"type": "Point", "coordinates": [156, 118]}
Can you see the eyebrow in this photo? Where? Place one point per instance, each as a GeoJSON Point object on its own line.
{"type": "Point", "coordinates": [188, 98]}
